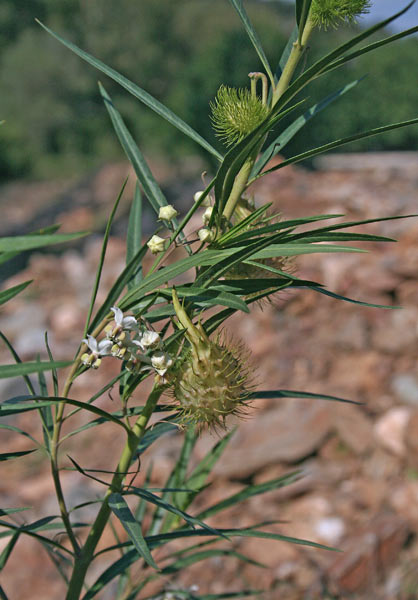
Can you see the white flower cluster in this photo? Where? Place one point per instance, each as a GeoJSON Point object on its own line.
{"type": "Point", "coordinates": [127, 340]}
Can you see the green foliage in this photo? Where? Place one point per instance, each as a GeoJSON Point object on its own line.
{"type": "Point", "coordinates": [207, 378]}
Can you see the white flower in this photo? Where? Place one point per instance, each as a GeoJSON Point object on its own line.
{"type": "Point", "coordinates": [207, 215]}
{"type": "Point", "coordinates": [117, 332]}
{"type": "Point", "coordinates": [206, 235]}
{"type": "Point", "coordinates": [125, 323]}
{"type": "Point", "coordinates": [97, 350]}
{"type": "Point", "coordinates": [157, 244]}
{"type": "Point", "coordinates": [197, 196]}
{"type": "Point", "coordinates": [161, 361]}
{"type": "Point", "coordinates": [150, 339]}
{"type": "Point", "coordinates": [167, 213]}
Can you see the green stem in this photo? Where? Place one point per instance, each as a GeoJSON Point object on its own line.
{"type": "Point", "coordinates": [296, 54]}
{"type": "Point", "coordinates": [239, 186]}
{"type": "Point", "coordinates": [82, 562]}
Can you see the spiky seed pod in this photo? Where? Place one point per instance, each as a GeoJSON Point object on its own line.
{"type": "Point", "coordinates": [235, 113]}
{"type": "Point", "coordinates": [211, 381]}
{"type": "Point", "coordinates": [331, 13]}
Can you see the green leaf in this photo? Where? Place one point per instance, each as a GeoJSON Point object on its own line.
{"type": "Point", "coordinates": [3, 595]}
{"type": "Point", "coordinates": [132, 527]}
{"type": "Point", "coordinates": [162, 276]}
{"type": "Point", "coordinates": [31, 367]}
{"type": "Point", "coordinates": [30, 529]}
{"type": "Point", "coordinates": [202, 471]}
{"type": "Point", "coordinates": [156, 431]}
{"type": "Point", "coordinates": [369, 48]}
{"type": "Point", "coordinates": [302, 12]}
{"type": "Point", "coordinates": [10, 455]}
{"type": "Point", "coordinates": [102, 257]}
{"type": "Point", "coordinates": [21, 432]}
{"type": "Point", "coordinates": [17, 358]}
{"type": "Point", "coordinates": [286, 52]}
{"type": "Point", "coordinates": [118, 287]}
{"type": "Point", "coordinates": [11, 511]}
{"type": "Point", "coordinates": [239, 7]}
{"type": "Point", "coordinates": [23, 403]}
{"type": "Point", "coordinates": [29, 242]}
{"type": "Point", "coordinates": [192, 559]}
{"type": "Point", "coordinates": [4, 556]}
{"type": "Point", "coordinates": [338, 143]}
{"type": "Point", "coordinates": [250, 491]}
{"type": "Point", "coordinates": [166, 506]}
{"type": "Point", "coordinates": [209, 297]}
{"type": "Point", "coordinates": [10, 293]}
{"type": "Point", "coordinates": [176, 478]}
{"type": "Point", "coordinates": [273, 394]}
{"type": "Point", "coordinates": [139, 93]}
{"type": "Point", "coordinates": [155, 541]}
{"type": "Point", "coordinates": [135, 156]}
{"type": "Point", "coordinates": [54, 372]}
{"type": "Point", "coordinates": [285, 136]}
{"type": "Point", "coordinates": [296, 249]}
{"type": "Point", "coordinates": [321, 290]}
{"type": "Point", "coordinates": [134, 236]}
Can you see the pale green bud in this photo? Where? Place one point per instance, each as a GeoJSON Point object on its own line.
{"type": "Point", "coordinates": [207, 215]}
{"type": "Point", "coordinates": [167, 213]}
{"type": "Point", "coordinates": [157, 244]}
{"type": "Point", "coordinates": [206, 235]}
{"type": "Point", "coordinates": [197, 196]}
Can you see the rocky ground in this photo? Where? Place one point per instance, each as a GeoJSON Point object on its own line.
{"type": "Point", "coordinates": [358, 488]}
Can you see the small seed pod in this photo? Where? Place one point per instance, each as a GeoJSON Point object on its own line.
{"type": "Point", "coordinates": [211, 381]}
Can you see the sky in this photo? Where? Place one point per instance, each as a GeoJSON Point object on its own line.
{"type": "Point", "coordinates": [382, 9]}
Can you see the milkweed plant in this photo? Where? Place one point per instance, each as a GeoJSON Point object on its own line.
{"type": "Point", "coordinates": [172, 332]}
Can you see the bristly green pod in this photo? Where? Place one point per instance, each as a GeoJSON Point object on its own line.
{"type": "Point", "coordinates": [235, 113]}
{"type": "Point", "coordinates": [331, 13]}
{"type": "Point", "coordinates": [211, 381]}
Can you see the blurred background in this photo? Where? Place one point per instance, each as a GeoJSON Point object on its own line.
{"type": "Point", "coordinates": [60, 162]}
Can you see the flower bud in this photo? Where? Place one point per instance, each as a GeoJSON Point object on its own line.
{"type": "Point", "coordinates": [206, 201]}
{"type": "Point", "coordinates": [157, 244]}
{"type": "Point", "coordinates": [206, 235]}
{"type": "Point", "coordinates": [167, 213]}
{"type": "Point", "coordinates": [207, 215]}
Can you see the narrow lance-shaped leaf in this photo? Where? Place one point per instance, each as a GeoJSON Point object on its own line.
{"type": "Point", "coordinates": [337, 143]}
{"type": "Point", "coordinates": [369, 48]}
{"type": "Point", "coordinates": [239, 7]}
{"type": "Point", "coordinates": [10, 455]}
{"type": "Point", "coordinates": [134, 236]}
{"type": "Point", "coordinates": [302, 12]}
{"type": "Point", "coordinates": [19, 243]}
{"type": "Point", "coordinates": [138, 92]}
{"type": "Point", "coordinates": [10, 293]}
{"type": "Point", "coordinates": [7, 371]}
{"type": "Point", "coordinates": [284, 138]}
{"type": "Point", "coordinates": [131, 526]}
{"type": "Point", "coordinates": [146, 178]}
{"type": "Point", "coordinates": [102, 256]}
{"type": "Point", "coordinates": [4, 556]}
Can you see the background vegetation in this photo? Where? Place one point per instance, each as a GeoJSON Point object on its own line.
{"type": "Point", "coordinates": [178, 51]}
